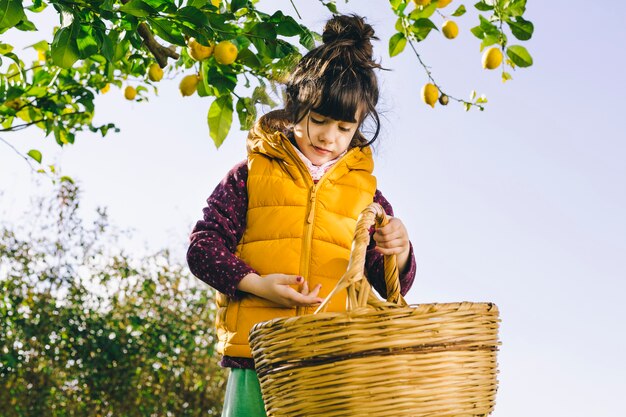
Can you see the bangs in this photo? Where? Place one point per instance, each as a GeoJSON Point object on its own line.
{"type": "Point", "coordinates": [341, 97]}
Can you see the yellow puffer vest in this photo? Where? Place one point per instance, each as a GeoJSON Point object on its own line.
{"type": "Point", "coordinates": [294, 226]}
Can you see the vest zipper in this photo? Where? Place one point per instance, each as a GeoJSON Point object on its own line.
{"type": "Point", "coordinates": [307, 240]}
{"type": "Point", "coordinates": [312, 198]}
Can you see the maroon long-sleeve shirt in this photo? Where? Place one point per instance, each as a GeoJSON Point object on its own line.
{"type": "Point", "coordinates": [211, 254]}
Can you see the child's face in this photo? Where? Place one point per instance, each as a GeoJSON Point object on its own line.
{"type": "Point", "coordinates": [328, 137]}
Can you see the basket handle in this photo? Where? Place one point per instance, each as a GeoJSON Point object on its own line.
{"type": "Point", "coordinates": [354, 280]}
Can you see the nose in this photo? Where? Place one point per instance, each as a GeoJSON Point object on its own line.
{"type": "Point", "coordinates": [327, 134]}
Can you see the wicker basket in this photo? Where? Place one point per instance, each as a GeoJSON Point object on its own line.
{"type": "Point", "coordinates": [379, 358]}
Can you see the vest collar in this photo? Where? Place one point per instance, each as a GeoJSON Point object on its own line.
{"type": "Point", "coordinates": [269, 137]}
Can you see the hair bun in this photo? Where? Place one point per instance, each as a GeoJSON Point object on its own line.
{"type": "Point", "coordinates": [349, 30]}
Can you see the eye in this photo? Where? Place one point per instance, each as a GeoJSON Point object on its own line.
{"type": "Point", "coordinates": [344, 129]}
{"type": "Point", "coordinates": [316, 121]}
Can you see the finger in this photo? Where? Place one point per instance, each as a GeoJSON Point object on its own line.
{"type": "Point", "coordinates": [316, 291]}
{"type": "Point", "coordinates": [392, 225]}
{"type": "Point", "coordinates": [388, 251]}
{"type": "Point", "coordinates": [396, 246]}
{"type": "Point", "coordinates": [289, 280]}
{"type": "Point", "coordinates": [390, 231]}
{"type": "Point", "coordinates": [382, 239]}
{"type": "Point", "coordinates": [306, 300]}
{"type": "Point", "coordinates": [304, 290]}
{"type": "Point", "coordinates": [389, 238]}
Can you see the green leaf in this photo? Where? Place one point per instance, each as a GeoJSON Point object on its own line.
{"type": "Point", "coordinates": [483, 7]}
{"type": "Point", "coordinates": [516, 8]}
{"type": "Point", "coordinates": [197, 3]}
{"type": "Point", "coordinates": [423, 13]}
{"type": "Point", "coordinates": [306, 40]}
{"type": "Point", "coordinates": [478, 32]}
{"type": "Point", "coordinates": [519, 55]}
{"type": "Point", "coordinates": [5, 48]}
{"type": "Point", "coordinates": [422, 27]}
{"type": "Point", "coordinates": [399, 25]}
{"type": "Point", "coordinates": [26, 25]}
{"type": "Point", "coordinates": [11, 13]}
{"type": "Point", "coordinates": [137, 8]}
{"type": "Point", "coordinates": [166, 31]}
{"type": "Point", "coordinates": [86, 43]}
{"type": "Point", "coordinates": [264, 30]}
{"type": "Point", "coordinates": [242, 42]}
{"type": "Point", "coordinates": [107, 48]}
{"type": "Point", "coordinates": [220, 119]}
{"type": "Point", "coordinates": [204, 90]}
{"type": "Point", "coordinates": [332, 6]}
{"type": "Point", "coordinates": [488, 27]}
{"type": "Point", "coordinates": [14, 91]}
{"type": "Point", "coordinates": [37, 6]}
{"type": "Point", "coordinates": [238, 4]}
{"type": "Point", "coordinates": [460, 11]}
{"type": "Point", "coordinates": [249, 59]}
{"type": "Point", "coordinates": [259, 95]}
{"type": "Point", "coordinates": [35, 154]}
{"type": "Point", "coordinates": [246, 111]}
{"type": "Point", "coordinates": [288, 27]}
{"type": "Point", "coordinates": [395, 4]}
{"type": "Point", "coordinates": [64, 49]}
{"type": "Point", "coordinates": [38, 92]}
{"type": "Point", "coordinates": [162, 5]}
{"type": "Point", "coordinates": [193, 15]}
{"type": "Point", "coordinates": [397, 43]}
{"type": "Point", "coordinates": [521, 29]}
{"type": "Point", "coordinates": [489, 40]}
{"type": "Point", "coordinates": [223, 82]}
{"type": "Point", "coordinates": [41, 46]}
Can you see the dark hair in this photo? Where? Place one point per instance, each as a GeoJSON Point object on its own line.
{"type": "Point", "coordinates": [336, 79]}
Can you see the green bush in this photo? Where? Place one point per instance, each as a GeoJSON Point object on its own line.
{"type": "Point", "coordinates": [89, 330]}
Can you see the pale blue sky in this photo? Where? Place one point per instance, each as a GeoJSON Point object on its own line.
{"type": "Point", "coordinates": [522, 205]}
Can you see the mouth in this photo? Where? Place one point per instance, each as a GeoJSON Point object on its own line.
{"type": "Point", "coordinates": [321, 150]}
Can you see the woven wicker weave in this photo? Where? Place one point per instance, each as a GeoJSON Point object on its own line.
{"type": "Point", "coordinates": [379, 358]}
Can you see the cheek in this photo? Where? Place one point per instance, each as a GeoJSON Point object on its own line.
{"type": "Point", "coordinates": [300, 131]}
{"type": "Point", "coordinates": [346, 140]}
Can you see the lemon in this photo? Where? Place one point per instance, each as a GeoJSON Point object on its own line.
{"type": "Point", "coordinates": [216, 3]}
{"type": "Point", "coordinates": [198, 51]}
{"type": "Point", "coordinates": [106, 88]}
{"type": "Point", "coordinates": [188, 85]}
{"type": "Point", "coordinates": [430, 93]}
{"type": "Point", "coordinates": [443, 100]}
{"type": "Point", "coordinates": [492, 58]}
{"type": "Point", "coordinates": [421, 2]}
{"type": "Point", "coordinates": [225, 52]}
{"type": "Point", "coordinates": [130, 93]}
{"type": "Point", "coordinates": [155, 72]}
{"type": "Point", "coordinates": [41, 56]}
{"type": "Point", "coordinates": [443, 3]}
{"type": "Point", "coordinates": [450, 29]}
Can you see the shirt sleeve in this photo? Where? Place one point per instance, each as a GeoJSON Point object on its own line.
{"type": "Point", "coordinates": [213, 241]}
{"type": "Point", "coordinates": [374, 260]}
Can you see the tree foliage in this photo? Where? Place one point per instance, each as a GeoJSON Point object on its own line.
{"type": "Point", "coordinates": [88, 330]}
{"type": "Point", "coordinates": [110, 42]}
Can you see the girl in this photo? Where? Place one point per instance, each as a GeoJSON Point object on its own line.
{"type": "Point", "coordinates": [277, 231]}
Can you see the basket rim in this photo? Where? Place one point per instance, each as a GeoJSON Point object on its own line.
{"type": "Point", "coordinates": [265, 369]}
{"type": "Point", "coordinates": [481, 307]}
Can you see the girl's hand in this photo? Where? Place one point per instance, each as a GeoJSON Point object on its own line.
{"type": "Point", "coordinates": [393, 239]}
{"type": "Point", "coordinates": [277, 288]}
